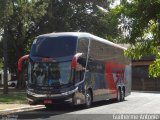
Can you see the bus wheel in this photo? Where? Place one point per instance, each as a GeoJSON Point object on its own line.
{"type": "Point", "coordinates": [122, 95]}
{"type": "Point", "coordinates": [119, 95]}
{"type": "Point", "coordinates": [88, 99]}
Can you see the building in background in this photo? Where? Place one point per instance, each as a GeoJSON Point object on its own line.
{"type": "Point", "coordinates": [140, 75]}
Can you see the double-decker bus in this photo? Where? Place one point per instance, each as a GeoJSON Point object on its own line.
{"type": "Point", "coordinates": [78, 68]}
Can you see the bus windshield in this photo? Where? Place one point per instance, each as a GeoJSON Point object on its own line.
{"type": "Point", "coordinates": [49, 74]}
{"type": "Point", "coordinates": [54, 46]}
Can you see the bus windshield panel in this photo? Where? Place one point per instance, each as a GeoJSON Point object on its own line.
{"type": "Point", "coordinates": [54, 46]}
{"type": "Point", "coordinates": [44, 74]}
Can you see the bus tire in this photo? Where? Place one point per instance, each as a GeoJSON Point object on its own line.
{"type": "Point", "coordinates": [88, 99]}
{"type": "Point", "coordinates": [118, 99]}
{"type": "Point", "coordinates": [122, 95]}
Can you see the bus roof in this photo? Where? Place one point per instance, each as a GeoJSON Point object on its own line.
{"type": "Point", "coordinates": [83, 34]}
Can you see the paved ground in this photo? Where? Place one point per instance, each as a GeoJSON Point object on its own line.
{"type": "Point", "coordinates": [12, 106]}
{"type": "Point", "coordinates": [136, 103]}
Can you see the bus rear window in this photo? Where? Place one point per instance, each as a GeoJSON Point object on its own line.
{"type": "Point", "coordinates": [54, 46]}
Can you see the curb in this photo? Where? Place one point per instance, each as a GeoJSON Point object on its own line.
{"type": "Point", "coordinates": [21, 109]}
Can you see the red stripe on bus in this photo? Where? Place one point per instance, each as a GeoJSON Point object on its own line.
{"type": "Point", "coordinates": [119, 74]}
{"type": "Point", "coordinates": [109, 75]}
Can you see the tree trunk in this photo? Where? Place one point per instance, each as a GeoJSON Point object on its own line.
{"type": "Point", "coordinates": [20, 81]}
{"type": "Point", "coordinates": [5, 89]}
{"type": "Point", "coordinates": [22, 77]}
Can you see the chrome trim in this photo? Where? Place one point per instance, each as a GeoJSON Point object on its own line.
{"type": "Point", "coordinates": [52, 95]}
{"type": "Point", "coordinates": [29, 99]}
{"type": "Point", "coordinates": [70, 92]}
{"type": "Point", "coordinates": [42, 95]}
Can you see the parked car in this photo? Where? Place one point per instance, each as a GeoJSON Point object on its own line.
{"type": "Point", "coordinates": [12, 83]}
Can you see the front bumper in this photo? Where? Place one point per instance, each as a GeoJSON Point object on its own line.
{"type": "Point", "coordinates": [34, 98]}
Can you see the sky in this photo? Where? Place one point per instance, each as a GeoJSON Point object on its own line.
{"type": "Point", "coordinates": [117, 2]}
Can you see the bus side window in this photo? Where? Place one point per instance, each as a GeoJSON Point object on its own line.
{"type": "Point", "coordinates": [97, 56]}
{"type": "Point", "coordinates": [82, 48]}
{"type": "Point", "coordinates": [97, 50]}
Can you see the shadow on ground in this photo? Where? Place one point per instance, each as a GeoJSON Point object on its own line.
{"type": "Point", "coordinates": [58, 111]}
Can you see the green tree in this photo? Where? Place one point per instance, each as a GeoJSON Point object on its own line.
{"type": "Point", "coordinates": [25, 19]}
{"type": "Point", "coordinates": [79, 15]}
{"type": "Point", "coordinates": [140, 18]}
{"type": "Point", "coordinates": [5, 13]}
{"type": "Point", "coordinates": [18, 24]}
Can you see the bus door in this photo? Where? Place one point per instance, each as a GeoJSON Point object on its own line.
{"type": "Point", "coordinates": [83, 47]}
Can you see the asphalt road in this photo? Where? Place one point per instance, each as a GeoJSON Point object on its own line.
{"type": "Point", "coordinates": [136, 103]}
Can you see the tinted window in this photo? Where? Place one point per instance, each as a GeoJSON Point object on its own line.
{"type": "Point", "coordinates": [98, 50]}
{"type": "Point", "coordinates": [96, 57]}
{"type": "Point", "coordinates": [83, 46]}
{"type": "Point", "coordinates": [104, 52]}
{"type": "Point", "coordinates": [49, 73]}
{"type": "Point", "coordinates": [54, 46]}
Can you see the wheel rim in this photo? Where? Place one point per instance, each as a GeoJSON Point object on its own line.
{"type": "Point", "coordinates": [88, 99]}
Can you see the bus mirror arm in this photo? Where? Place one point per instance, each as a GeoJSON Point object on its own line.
{"type": "Point", "coordinates": [77, 62]}
{"type": "Point", "coordinates": [21, 61]}
{"type": "Point", "coordinates": [30, 59]}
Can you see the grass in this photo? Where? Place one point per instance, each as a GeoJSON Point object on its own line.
{"type": "Point", "coordinates": [13, 98]}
